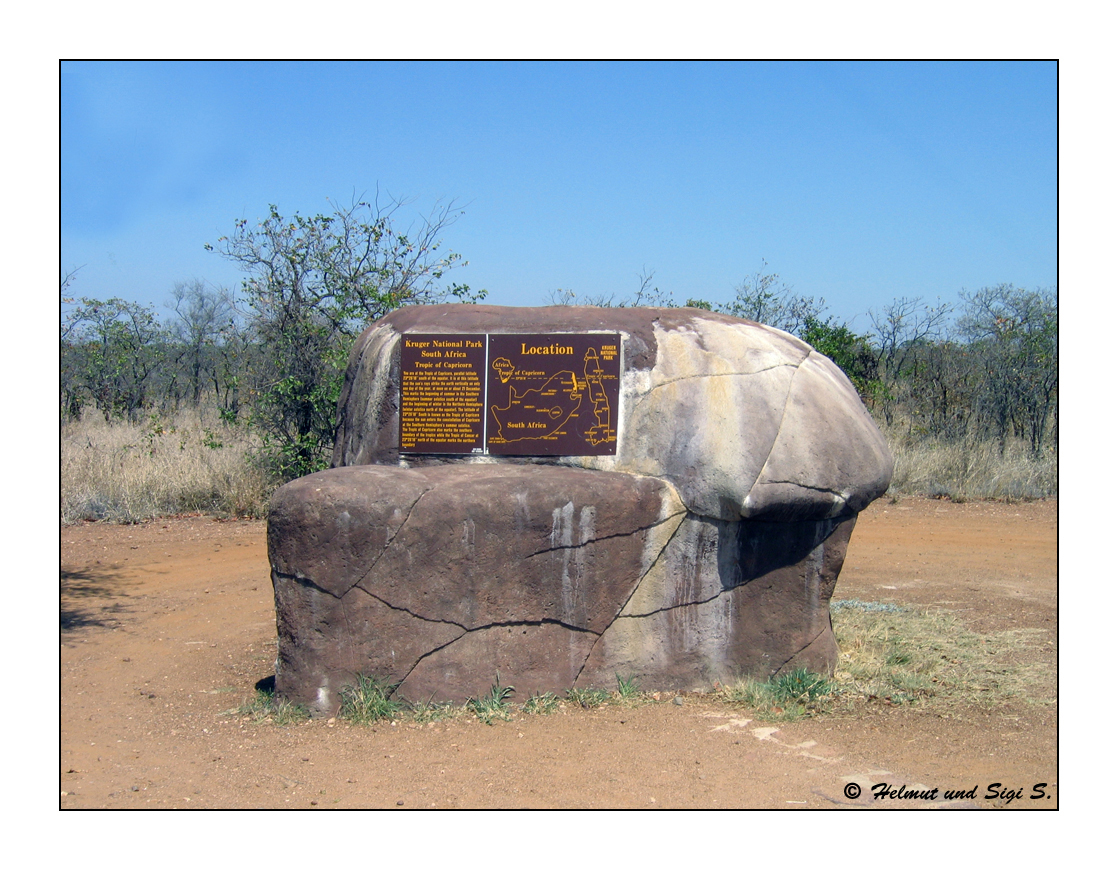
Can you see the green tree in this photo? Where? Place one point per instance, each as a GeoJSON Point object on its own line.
{"type": "Point", "coordinates": [203, 317]}
{"type": "Point", "coordinates": [111, 352]}
{"type": "Point", "coordinates": [764, 298]}
{"type": "Point", "coordinates": [849, 351]}
{"type": "Point", "coordinates": [902, 330]}
{"type": "Point", "coordinates": [1014, 334]}
{"type": "Point", "coordinates": [313, 284]}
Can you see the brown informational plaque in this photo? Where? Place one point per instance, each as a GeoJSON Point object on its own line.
{"type": "Point", "coordinates": [442, 393]}
{"type": "Point", "coordinates": [553, 394]}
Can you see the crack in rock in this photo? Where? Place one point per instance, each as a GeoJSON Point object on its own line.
{"type": "Point", "coordinates": [532, 623]}
{"type": "Point", "coordinates": [467, 629]}
{"type": "Point", "coordinates": [426, 655]}
{"type": "Point", "coordinates": [652, 564]}
{"type": "Point", "coordinates": [671, 607]}
{"type": "Point", "coordinates": [800, 650]}
{"type": "Point", "coordinates": [411, 613]}
{"type": "Point", "coordinates": [306, 582]}
{"type": "Point", "coordinates": [739, 374]}
{"type": "Point", "coordinates": [586, 543]}
{"type": "Point", "coordinates": [637, 400]}
{"type": "Point", "coordinates": [636, 586]}
{"type": "Point", "coordinates": [825, 489]}
{"type": "Point", "coordinates": [391, 538]}
{"type": "Point", "coordinates": [779, 428]}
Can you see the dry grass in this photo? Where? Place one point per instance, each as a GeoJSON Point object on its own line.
{"type": "Point", "coordinates": [191, 463]}
{"type": "Point", "coordinates": [913, 656]}
{"type": "Point", "coordinates": [905, 656]}
{"type": "Point", "coordinates": [965, 471]}
{"type": "Point", "coordinates": [194, 463]}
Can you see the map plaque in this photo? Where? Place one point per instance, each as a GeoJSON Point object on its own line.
{"type": "Point", "coordinates": [553, 394]}
{"type": "Point", "coordinates": [549, 394]}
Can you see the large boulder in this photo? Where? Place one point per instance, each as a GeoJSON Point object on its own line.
{"type": "Point", "coordinates": [705, 548]}
{"type": "Point", "coordinates": [746, 421]}
{"type": "Point", "coordinates": [439, 579]}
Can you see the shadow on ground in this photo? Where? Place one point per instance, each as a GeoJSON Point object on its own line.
{"type": "Point", "coordinates": [86, 599]}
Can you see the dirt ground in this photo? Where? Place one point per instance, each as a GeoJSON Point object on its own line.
{"type": "Point", "coordinates": [167, 626]}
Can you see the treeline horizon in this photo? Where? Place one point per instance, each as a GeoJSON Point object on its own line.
{"type": "Point", "coordinates": [271, 358]}
{"type": "Point", "coordinates": [986, 368]}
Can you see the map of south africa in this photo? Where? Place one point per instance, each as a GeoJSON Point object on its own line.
{"type": "Point", "coordinates": [510, 394]}
{"type": "Point", "coordinates": [563, 404]}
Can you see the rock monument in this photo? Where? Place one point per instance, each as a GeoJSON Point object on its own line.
{"type": "Point", "coordinates": [568, 495]}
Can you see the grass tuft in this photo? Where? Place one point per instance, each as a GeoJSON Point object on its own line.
{"type": "Point", "coordinates": [541, 704]}
{"type": "Point", "coordinates": [627, 688]}
{"type": "Point", "coordinates": [369, 700]}
{"type": "Point", "coordinates": [264, 706]}
{"type": "Point", "coordinates": [588, 699]}
{"type": "Point", "coordinates": [492, 705]}
{"type": "Point", "coordinates": [785, 697]}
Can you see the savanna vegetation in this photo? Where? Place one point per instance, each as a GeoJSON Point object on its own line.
{"type": "Point", "coordinates": [966, 392]}
{"type": "Point", "coordinates": [212, 403]}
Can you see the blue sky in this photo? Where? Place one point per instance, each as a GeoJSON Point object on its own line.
{"type": "Point", "coordinates": [856, 182]}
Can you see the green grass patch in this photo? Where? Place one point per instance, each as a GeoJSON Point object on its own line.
{"type": "Point", "coordinates": [627, 688]}
{"type": "Point", "coordinates": [906, 656]}
{"type": "Point", "coordinates": [493, 705]}
{"type": "Point", "coordinates": [368, 700]}
{"type": "Point", "coordinates": [542, 704]}
{"type": "Point", "coordinates": [588, 699]}
{"type": "Point", "coordinates": [785, 697]}
{"type": "Point", "coordinates": [264, 706]}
